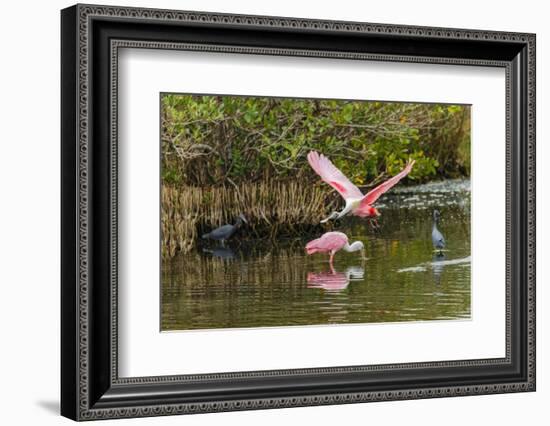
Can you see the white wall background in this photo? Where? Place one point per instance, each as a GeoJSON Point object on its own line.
{"type": "Point", "coordinates": [29, 211]}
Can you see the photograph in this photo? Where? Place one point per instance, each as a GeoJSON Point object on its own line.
{"type": "Point", "coordinates": [280, 212]}
{"type": "Point", "coordinates": [273, 208]}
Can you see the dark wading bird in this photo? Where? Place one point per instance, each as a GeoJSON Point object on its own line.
{"type": "Point", "coordinates": [225, 232]}
{"type": "Point", "coordinates": [438, 240]}
{"type": "Point", "coordinates": [357, 204]}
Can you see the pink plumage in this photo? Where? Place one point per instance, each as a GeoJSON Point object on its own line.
{"type": "Point", "coordinates": [331, 175]}
{"type": "Point", "coordinates": [375, 193]}
{"type": "Point", "coordinates": [359, 204]}
{"type": "Point", "coordinates": [331, 281]}
{"type": "Point", "coordinates": [331, 242]}
{"type": "Point", "coordinates": [328, 242]}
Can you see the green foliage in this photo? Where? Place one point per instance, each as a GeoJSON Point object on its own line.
{"type": "Point", "coordinates": [215, 140]}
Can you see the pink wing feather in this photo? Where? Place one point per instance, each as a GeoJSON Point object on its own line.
{"type": "Point", "coordinates": [331, 175]}
{"type": "Point", "coordinates": [375, 193]}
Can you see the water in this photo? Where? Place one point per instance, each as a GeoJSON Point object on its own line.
{"type": "Point", "coordinates": [260, 283]}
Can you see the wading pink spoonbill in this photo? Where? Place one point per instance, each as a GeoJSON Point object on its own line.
{"type": "Point", "coordinates": [331, 242]}
{"type": "Point", "coordinates": [357, 204]}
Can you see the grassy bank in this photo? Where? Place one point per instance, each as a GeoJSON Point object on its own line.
{"type": "Point", "coordinates": [272, 208]}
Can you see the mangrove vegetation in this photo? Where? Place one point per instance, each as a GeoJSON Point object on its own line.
{"type": "Point", "coordinates": [227, 155]}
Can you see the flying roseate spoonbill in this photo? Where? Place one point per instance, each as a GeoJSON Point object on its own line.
{"type": "Point", "coordinates": [438, 240]}
{"type": "Point", "coordinates": [226, 231]}
{"type": "Point", "coordinates": [357, 204]}
{"type": "Point", "coordinates": [331, 242]}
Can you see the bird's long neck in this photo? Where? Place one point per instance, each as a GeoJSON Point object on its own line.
{"type": "Point", "coordinates": [353, 247]}
{"type": "Point", "coordinates": [350, 205]}
{"type": "Point", "coordinates": [434, 225]}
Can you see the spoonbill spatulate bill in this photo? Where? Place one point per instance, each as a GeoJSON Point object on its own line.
{"type": "Point", "coordinates": [357, 204]}
{"type": "Point", "coordinates": [438, 240]}
{"type": "Point", "coordinates": [332, 242]}
{"type": "Point", "coordinates": [226, 231]}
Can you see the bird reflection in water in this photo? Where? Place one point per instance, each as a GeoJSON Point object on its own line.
{"type": "Point", "coordinates": [333, 280]}
{"type": "Point", "coordinates": [221, 252]}
{"type": "Point", "coordinates": [439, 243]}
{"type": "Point", "coordinates": [438, 265]}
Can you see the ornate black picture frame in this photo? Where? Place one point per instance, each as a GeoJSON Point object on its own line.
{"type": "Point", "coordinates": [91, 36]}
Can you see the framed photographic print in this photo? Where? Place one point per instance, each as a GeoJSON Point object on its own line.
{"type": "Point", "coordinates": [263, 212]}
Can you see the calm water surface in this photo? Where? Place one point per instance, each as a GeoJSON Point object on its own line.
{"type": "Point", "coordinates": [259, 283]}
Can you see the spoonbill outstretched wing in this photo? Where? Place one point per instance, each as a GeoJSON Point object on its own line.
{"type": "Point", "coordinates": [334, 177]}
{"type": "Point", "coordinates": [357, 204]}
